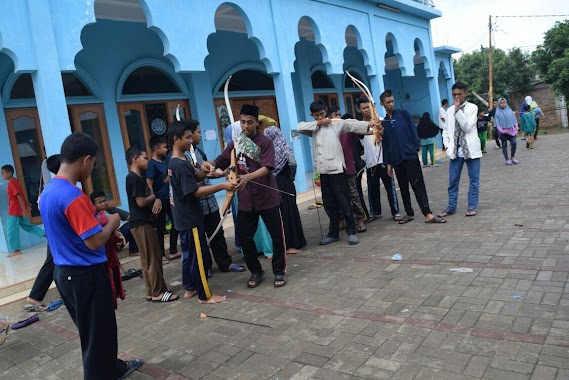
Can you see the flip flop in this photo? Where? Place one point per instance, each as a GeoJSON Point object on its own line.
{"type": "Point", "coordinates": [236, 268]}
{"type": "Point", "coordinates": [436, 219]}
{"type": "Point", "coordinates": [132, 365]}
{"type": "Point", "coordinates": [471, 212]}
{"type": "Point", "coordinates": [256, 278]}
{"type": "Point", "coordinates": [54, 305]}
{"type": "Point", "coordinates": [35, 307]}
{"type": "Point", "coordinates": [405, 219]}
{"type": "Point", "coordinates": [166, 297]}
{"type": "Point", "coordinates": [280, 278]}
{"type": "Point", "coordinates": [26, 322]}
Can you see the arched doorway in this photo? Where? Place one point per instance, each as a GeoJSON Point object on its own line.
{"type": "Point", "coordinates": [324, 88]}
{"type": "Point", "coordinates": [149, 96]}
{"type": "Point", "coordinates": [86, 115]}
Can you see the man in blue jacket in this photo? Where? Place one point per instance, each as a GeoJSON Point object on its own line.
{"type": "Point", "coordinates": [400, 147]}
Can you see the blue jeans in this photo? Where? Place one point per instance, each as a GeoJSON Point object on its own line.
{"type": "Point", "coordinates": [455, 169]}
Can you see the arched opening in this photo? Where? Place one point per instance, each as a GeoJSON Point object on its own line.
{"type": "Point", "coordinates": [234, 52]}
{"type": "Point", "coordinates": [148, 80]}
{"type": "Point", "coordinates": [392, 80]}
{"type": "Point", "coordinates": [354, 62]}
{"type": "Point", "coordinates": [443, 77]}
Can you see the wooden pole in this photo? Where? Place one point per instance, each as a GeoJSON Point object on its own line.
{"type": "Point", "coordinates": [490, 87]}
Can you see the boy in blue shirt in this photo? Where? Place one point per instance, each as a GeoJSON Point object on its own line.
{"type": "Point", "coordinates": [77, 242]}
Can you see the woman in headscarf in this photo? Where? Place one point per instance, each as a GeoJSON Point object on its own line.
{"type": "Point", "coordinates": [294, 234]}
{"type": "Point", "coordinates": [507, 126]}
{"type": "Point", "coordinates": [427, 131]}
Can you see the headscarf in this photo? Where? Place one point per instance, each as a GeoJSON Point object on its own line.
{"type": "Point", "coordinates": [528, 99]}
{"type": "Point", "coordinates": [282, 150]}
{"type": "Point", "coordinates": [504, 117]}
{"type": "Point", "coordinates": [426, 127]}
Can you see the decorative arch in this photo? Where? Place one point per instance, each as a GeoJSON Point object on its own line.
{"type": "Point", "coordinates": [359, 45]}
{"type": "Point", "coordinates": [322, 70]}
{"type": "Point", "coordinates": [318, 42]}
{"type": "Point", "coordinates": [8, 52]}
{"type": "Point", "coordinates": [426, 61]}
{"type": "Point", "coordinates": [445, 69]}
{"type": "Point", "coordinates": [154, 63]}
{"type": "Point", "coordinates": [356, 72]}
{"type": "Point", "coordinates": [250, 34]}
{"type": "Point", "coordinates": [396, 53]}
{"type": "Point", "coordinates": [245, 66]}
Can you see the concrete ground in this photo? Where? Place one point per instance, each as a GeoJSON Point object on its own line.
{"type": "Point", "coordinates": [350, 312]}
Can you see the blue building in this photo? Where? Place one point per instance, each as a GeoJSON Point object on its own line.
{"type": "Point", "coordinates": [117, 70]}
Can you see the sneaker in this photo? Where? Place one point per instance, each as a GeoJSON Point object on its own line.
{"type": "Point", "coordinates": [328, 240]}
{"type": "Point", "coordinates": [514, 161]}
{"type": "Point", "coordinates": [353, 240]}
{"type": "Point", "coordinates": [509, 162]}
{"type": "Point", "coordinates": [484, 151]}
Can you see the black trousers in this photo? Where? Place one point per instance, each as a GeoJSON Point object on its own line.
{"type": "Point", "coordinates": [125, 230]}
{"type": "Point", "coordinates": [44, 278]}
{"type": "Point", "coordinates": [88, 298]}
{"type": "Point", "coordinates": [536, 127]}
{"type": "Point", "coordinates": [161, 228]}
{"type": "Point", "coordinates": [336, 196]}
{"type": "Point", "coordinates": [248, 222]}
{"type": "Point", "coordinates": [409, 172]}
{"type": "Point", "coordinates": [374, 175]}
{"type": "Point", "coordinates": [217, 245]}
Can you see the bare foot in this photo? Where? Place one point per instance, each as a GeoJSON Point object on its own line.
{"type": "Point", "coordinates": [15, 253]}
{"type": "Point", "coordinates": [175, 255]}
{"type": "Point", "coordinates": [293, 251]}
{"type": "Point", "coordinates": [190, 294]}
{"type": "Point", "coordinates": [214, 299]}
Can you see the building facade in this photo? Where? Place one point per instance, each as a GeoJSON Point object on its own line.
{"type": "Point", "coordinates": [117, 70]}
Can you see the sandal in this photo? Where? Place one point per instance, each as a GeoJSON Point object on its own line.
{"type": "Point", "coordinates": [175, 256]}
{"type": "Point", "coordinates": [436, 219]}
{"type": "Point", "coordinates": [256, 279]}
{"type": "Point", "coordinates": [471, 212]}
{"type": "Point", "coordinates": [397, 217]}
{"type": "Point", "coordinates": [280, 278]}
{"type": "Point", "coordinates": [165, 261]}
{"type": "Point", "coordinates": [446, 213]}
{"type": "Point", "coordinates": [166, 297]}
{"type": "Point", "coordinates": [235, 268]}
{"type": "Point", "coordinates": [35, 307]}
{"type": "Point", "coordinates": [405, 219]}
{"type": "Point", "coordinates": [54, 305]}
{"type": "Point", "coordinates": [361, 229]}
{"type": "Point", "coordinates": [131, 366]}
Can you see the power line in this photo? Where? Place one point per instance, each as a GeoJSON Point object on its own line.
{"type": "Point", "coordinates": [531, 16]}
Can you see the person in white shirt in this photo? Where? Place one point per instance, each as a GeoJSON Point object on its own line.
{"type": "Point", "coordinates": [463, 147]}
{"type": "Point", "coordinates": [442, 117]}
{"type": "Point", "coordinates": [376, 170]}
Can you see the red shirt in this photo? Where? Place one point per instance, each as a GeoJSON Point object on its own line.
{"type": "Point", "coordinates": [14, 188]}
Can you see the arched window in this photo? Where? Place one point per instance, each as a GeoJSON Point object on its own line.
{"type": "Point", "coordinates": [349, 84]}
{"type": "Point", "coordinates": [72, 86]}
{"type": "Point", "coordinates": [23, 87]}
{"type": "Point", "coordinates": [321, 80]}
{"type": "Point", "coordinates": [149, 80]}
{"type": "Point", "coordinates": [250, 80]}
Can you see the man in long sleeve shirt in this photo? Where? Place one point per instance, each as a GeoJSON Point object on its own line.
{"type": "Point", "coordinates": [400, 147]}
{"type": "Point", "coordinates": [329, 161]}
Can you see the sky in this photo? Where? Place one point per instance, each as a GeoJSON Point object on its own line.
{"type": "Point", "coordinates": [464, 23]}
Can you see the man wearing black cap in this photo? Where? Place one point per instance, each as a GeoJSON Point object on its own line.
{"type": "Point", "coordinates": [256, 159]}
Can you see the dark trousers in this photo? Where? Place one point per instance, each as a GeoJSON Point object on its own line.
{"type": "Point", "coordinates": [125, 230]}
{"type": "Point", "coordinates": [409, 172]}
{"type": "Point", "coordinates": [44, 278]}
{"type": "Point", "coordinates": [374, 175]}
{"type": "Point", "coordinates": [218, 245]}
{"type": "Point", "coordinates": [536, 127]}
{"type": "Point", "coordinates": [248, 222]}
{"type": "Point", "coordinates": [195, 261]}
{"type": "Point", "coordinates": [513, 144]}
{"type": "Point", "coordinates": [361, 193]}
{"type": "Point", "coordinates": [336, 196]}
{"type": "Point", "coordinates": [88, 298]}
{"type": "Point", "coordinates": [161, 228]}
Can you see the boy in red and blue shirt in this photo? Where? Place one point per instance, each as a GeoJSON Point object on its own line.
{"type": "Point", "coordinates": [18, 213]}
{"type": "Point", "coordinates": [77, 242]}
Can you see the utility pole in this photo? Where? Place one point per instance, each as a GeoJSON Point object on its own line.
{"type": "Point", "coordinates": [490, 87]}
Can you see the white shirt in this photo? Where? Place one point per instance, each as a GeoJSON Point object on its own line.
{"type": "Point", "coordinates": [373, 153]}
{"type": "Point", "coordinates": [442, 115]}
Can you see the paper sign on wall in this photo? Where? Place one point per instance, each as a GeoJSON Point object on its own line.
{"type": "Point", "coordinates": [210, 135]}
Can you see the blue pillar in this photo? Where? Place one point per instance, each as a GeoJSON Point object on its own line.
{"type": "Point", "coordinates": [307, 96]}
{"type": "Point", "coordinates": [7, 159]}
{"type": "Point", "coordinates": [203, 109]}
{"type": "Point", "coordinates": [48, 86]}
{"type": "Point", "coordinates": [338, 80]}
{"type": "Point", "coordinates": [288, 121]}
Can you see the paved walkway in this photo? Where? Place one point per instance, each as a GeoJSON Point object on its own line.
{"type": "Point", "coordinates": [353, 313]}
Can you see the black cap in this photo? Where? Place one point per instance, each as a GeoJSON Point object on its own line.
{"type": "Point", "coordinates": [250, 110]}
{"type": "Point", "coordinates": [53, 163]}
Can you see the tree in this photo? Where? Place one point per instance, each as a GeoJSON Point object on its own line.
{"type": "Point", "coordinates": [552, 58]}
{"type": "Point", "coordinates": [512, 71]}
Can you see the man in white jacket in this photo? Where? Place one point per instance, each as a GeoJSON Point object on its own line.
{"type": "Point", "coordinates": [460, 137]}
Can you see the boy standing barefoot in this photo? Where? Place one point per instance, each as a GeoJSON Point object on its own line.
{"type": "Point", "coordinates": [188, 217]}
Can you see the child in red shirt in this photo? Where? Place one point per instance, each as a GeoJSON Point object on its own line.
{"type": "Point", "coordinates": [19, 214]}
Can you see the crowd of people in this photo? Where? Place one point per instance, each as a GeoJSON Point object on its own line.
{"type": "Point", "coordinates": [174, 181]}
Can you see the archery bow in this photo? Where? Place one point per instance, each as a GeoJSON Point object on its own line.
{"type": "Point", "coordinates": [232, 175]}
